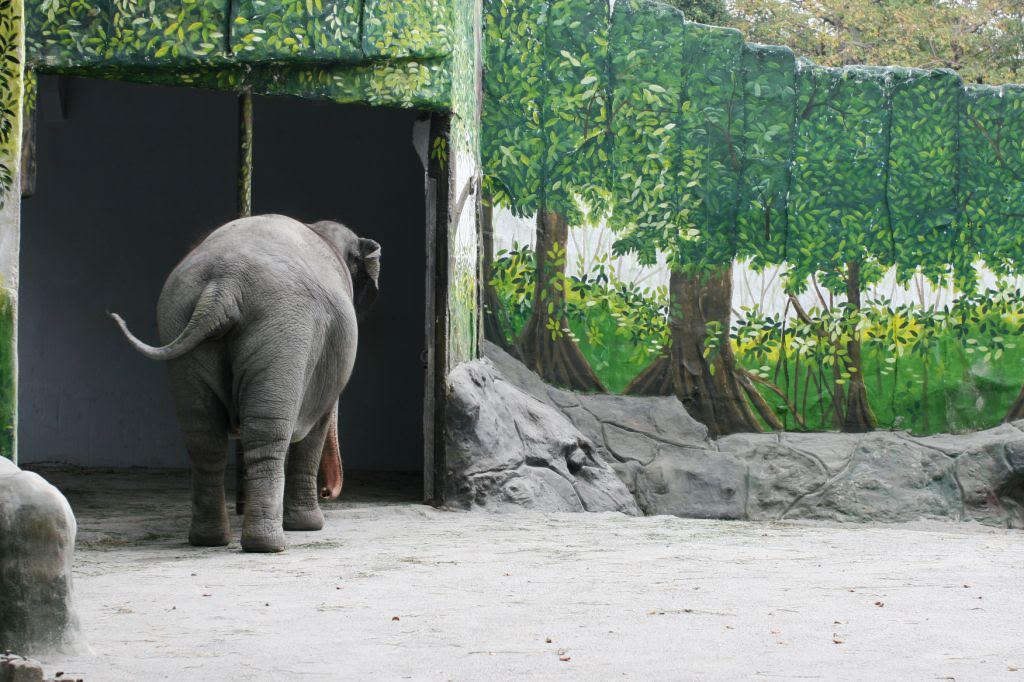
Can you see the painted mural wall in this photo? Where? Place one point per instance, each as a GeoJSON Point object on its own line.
{"type": "Point", "coordinates": [670, 210]}
{"type": "Point", "coordinates": [12, 75]}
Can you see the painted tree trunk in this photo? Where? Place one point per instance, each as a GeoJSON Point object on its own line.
{"type": "Point", "coordinates": [493, 330]}
{"type": "Point", "coordinates": [859, 417]}
{"type": "Point", "coordinates": [709, 388]}
{"type": "Point", "coordinates": [655, 379]}
{"type": "Point", "coordinates": [925, 425]}
{"type": "Point", "coordinates": [1016, 410]}
{"type": "Point", "coordinates": [543, 345]}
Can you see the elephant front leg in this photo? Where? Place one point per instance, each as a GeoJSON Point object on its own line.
{"type": "Point", "coordinates": [301, 505]}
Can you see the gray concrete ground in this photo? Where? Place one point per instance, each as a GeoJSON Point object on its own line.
{"type": "Point", "coordinates": [395, 590]}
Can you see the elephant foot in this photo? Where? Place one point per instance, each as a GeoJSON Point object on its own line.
{"type": "Point", "coordinates": [206, 536]}
{"type": "Point", "coordinates": [303, 519]}
{"type": "Point", "coordinates": [263, 542]}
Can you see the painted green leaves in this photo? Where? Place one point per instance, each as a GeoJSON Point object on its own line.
{"type": "Point", "coordinates": [704, 149]}
{"type": "Point", "coordinates": [678, 149]}
{"type": "Point", "coordinates": [652, 182]}
{"type": "Point", "coordinates": [711, 134]}
{"type": "Point", "coordinates": [312, 29]}
{"type": "Point", "coordinates": [838, 188]}
{"type": "Point", "coordinates": [77, 33]}
{"type": "Point", "coordinates": [406, 28]}
{"type": "Point", "coordinates": [57, 30]}
{"type": "Point", "coordinates": [11, 87]}
{"type": "Point", "coordinates": [121, 32]}
{"type": "Point", "coordinates": [422, 85]}
{"type": "Point", "coordinates": [769, 75]}
{"type": "Point", "coordinates": [515, 67]}
{"type": "Point", "coordinates": [922, 175]}
{"type": "Point", "coordinates": [545, 117]}
{"type": "Point", "coordinates": [992, 174]}
{"type": "Point", "coordinates": [575, 111]}
{"type": "Point", "coordinates": [168, 30]}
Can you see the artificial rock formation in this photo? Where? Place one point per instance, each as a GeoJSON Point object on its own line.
{"type": "Point", "coordinates": [15, 668]}
{"type": "Point", "coordinates": [507, 450]}
{"type": "Point", "coordinates": [670, 465]}
{"type": "Point", "coordinates": [37, 538]}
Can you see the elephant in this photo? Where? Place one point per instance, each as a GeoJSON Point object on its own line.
{"type": "Point", "coordinates": [259, 326]}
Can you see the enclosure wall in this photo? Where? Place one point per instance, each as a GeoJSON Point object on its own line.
{"type": "Point", "coordinates": [126, 184]}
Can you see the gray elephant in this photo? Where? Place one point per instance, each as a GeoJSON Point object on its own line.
{"type": "Point", "coordinates": [259, 326]}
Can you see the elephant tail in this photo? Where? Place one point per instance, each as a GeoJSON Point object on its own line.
{"type": "Point", "coordinates": [215, 313]}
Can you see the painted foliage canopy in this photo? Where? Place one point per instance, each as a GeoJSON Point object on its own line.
{"type": "Point", "coordinates": [373, 51]}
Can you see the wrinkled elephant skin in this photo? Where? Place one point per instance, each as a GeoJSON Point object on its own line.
{"type": "Point", "coordinates": [259, 324]}
{"type": "Point", "coordinates": [329, 478]}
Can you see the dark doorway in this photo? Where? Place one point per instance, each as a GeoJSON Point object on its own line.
{"type": "Point", "coordinates": [317, 160]}
{"type": "Point", "coordinates": [129, 177]}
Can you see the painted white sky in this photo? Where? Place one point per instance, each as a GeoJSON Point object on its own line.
{"type": "Point", "coordinates": [749, 287]}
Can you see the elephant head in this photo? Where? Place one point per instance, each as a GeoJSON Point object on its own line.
{"type": "Point", "coordinates": [361, 255]}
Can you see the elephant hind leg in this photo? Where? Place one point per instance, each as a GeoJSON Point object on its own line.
{"type": "Point", "coordinates": [207, 449]}
{"type": "Point", "coordinates": [301, 503]}
{"type": "Point", "coordinates": [264, 484]}
{"type": "Point", "coordinates": [269, 393]}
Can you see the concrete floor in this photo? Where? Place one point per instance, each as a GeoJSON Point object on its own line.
{"type": "Point", "coordinates": [395, 590]}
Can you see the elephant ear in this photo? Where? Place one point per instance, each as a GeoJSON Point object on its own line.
{"type": "Point", "coordinates": [369, 274]}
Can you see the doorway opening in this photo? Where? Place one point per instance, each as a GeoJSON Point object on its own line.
{"type": "Point", "coordinates": [129, 178]}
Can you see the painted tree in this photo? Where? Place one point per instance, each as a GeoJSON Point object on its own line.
{"type": "Point", "coordinates": [769, 76]}
{"type": "Point", "coordinates": [652, 183]}
{"type": "Point", "coordinates": [678, 159]}
{"type": "Point", "coordinates": [546, 153]}
{"type": "Point", "coordinates": [840, 238]}
{"type": "Point", "coordinates": [992, 183]}
{"type": "Point", "coordinates": [922, 203]}
{"type": "Point", "coordinates": [511, 132]}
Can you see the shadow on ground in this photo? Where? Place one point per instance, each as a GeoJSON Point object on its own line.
{"type": "Point", "coordinates": [120, 507]}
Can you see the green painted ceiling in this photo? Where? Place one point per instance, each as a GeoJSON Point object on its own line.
{"type": "Point", "coordinates": [184, 34]}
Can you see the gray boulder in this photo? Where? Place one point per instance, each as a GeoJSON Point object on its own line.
{"type": "Point", "coordinates": [507, 450]}
{"type": "Point", "coordinates": [834, 450]}
{"type": "Point", "coordinates": [990, 470]}
{"type": "Point", "coordinates": [687, 482]}
{"type": "Point", "coordinates": [889, 478]}
{"type": "Point", "coordinates": [779, 476]}
{"type": "Point", "coordinates": [37, 538]}
{"type": "Point", "coordinates": [15, 668]}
